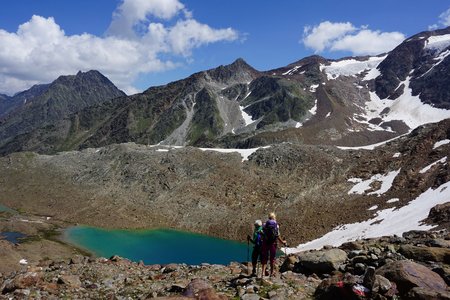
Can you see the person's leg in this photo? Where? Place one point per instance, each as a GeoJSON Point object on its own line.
{"type": "Point", "coordinates": [273, 253]}
{"type": "Point", "coordinates": [264, 258]}
{"type": "Point", "coordinates": [255, 255]}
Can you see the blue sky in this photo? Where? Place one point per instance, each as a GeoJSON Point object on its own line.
{"type": "Point", "coordinates": [142, 43]}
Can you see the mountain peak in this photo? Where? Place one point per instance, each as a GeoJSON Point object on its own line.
{"type": "Point", "coordinates": [239, 70]}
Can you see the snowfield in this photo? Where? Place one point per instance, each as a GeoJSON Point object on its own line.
{"type": "Point", "coordinates": [363, 185]}
{"type": "Point", "coordinates": [353, 67]}
{"type": "Point", "coordinates": [407, 108]}
{"type": "Point", "coordinates": [386, 222]}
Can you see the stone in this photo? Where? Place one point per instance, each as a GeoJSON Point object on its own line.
{"type": "Point", "coordinates": [289, 263]}
{"type": "Point", "coordinates": [362, 259]}
{"type": "Point", "coordinates": [438, 243]}
{"type": "Point", "coordinates": [77, 259]}
{"type": "Point", "coordinates": [351, 246]}
{"type": "Point", "coordinates": [407, 275]}
{"type": "Point", "coordinates": [420, 293]}
{"type": "Point", "coordinates": [440, 213]}
{"type": "Point", "coordinates": [381, 284]}
{"type": "Point", "coordinates": [426, 253]}
{"type": "Point", "coordinates": [444, 272]}
{"type": "Point", "coordinates": [21, 281]}
{"type": "Point", "coordinates": [250, 297]}
{"type": "Point", "coordinates": [322, 261]}
{"type": "Point", "coordinates": [72, 281]}
{"type": "Point", "coordinates": [369, 277]}
{"type": "Point", "coordinates": [195, 286]}
{"type": "Point", "coordinates": [115, 258]}
{"type": "Point", "coordinates": [170, 268]}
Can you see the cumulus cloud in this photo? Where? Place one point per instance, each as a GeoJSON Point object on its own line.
{"type": "Point", "coordinates": [443, 20]}
{"type": "Point", "coordinates": [40, 50]}
{"type": "Point", "coordinates": [325, 34]}
{"type": "Point", "coordinates": [328, 36]}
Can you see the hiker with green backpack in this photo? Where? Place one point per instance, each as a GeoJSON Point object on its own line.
{"type": "Point", "coordinates": [257, 240]}
{"type": "Point", "coordinates": [271, 236]}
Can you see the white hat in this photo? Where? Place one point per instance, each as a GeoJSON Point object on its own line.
{"type": "Point", "coordinates": [258, 222]}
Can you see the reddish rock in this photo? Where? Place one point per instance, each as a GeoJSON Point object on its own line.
{"type": "Point", "coordinates": [407, 275]}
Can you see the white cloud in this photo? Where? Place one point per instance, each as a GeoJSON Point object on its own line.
{"type": "Point", "coordinates": [443, 20]}
{"type": "Point", "coordinates": [323, 35]}
{"type": "Point", "coordinates": [40, 51]}
{"type": "Point", "coordinates": [328, 36]}
{"type": "Point", "coordinates": [368, 42]}
{"type": "Point", "coordinates": [132, 13]}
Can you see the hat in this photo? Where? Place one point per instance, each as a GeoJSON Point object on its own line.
{"type": "Point", "coordinates": [258, 222]}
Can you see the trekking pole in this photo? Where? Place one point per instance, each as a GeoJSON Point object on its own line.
{"type": "Point", "coordinates": [248, 250]}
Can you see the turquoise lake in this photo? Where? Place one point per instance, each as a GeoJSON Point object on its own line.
{"type": "Point", "coordinates": [157, 246]}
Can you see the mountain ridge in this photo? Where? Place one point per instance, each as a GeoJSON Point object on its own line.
{"type": "Point", "coordinates": [345, 102]}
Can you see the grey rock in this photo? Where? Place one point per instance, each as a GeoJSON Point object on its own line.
{"type": "Point", "coordinates": [322, 261]}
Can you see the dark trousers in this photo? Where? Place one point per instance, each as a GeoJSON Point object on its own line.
{"type": "Point", "coordinates": [256, 254]}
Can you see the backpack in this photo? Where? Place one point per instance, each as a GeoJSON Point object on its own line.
{"type": "Point", "coordinates": [270, 231]}
{"type": "Point", "coordinates": [258, 237]}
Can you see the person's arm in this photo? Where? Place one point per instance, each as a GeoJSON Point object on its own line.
{"type": "Point", "coordinates": [282, 241]}
{"type": "Point", "coordinates": [279, 237]}
{"type": "Point", "coordinates": [250, 239]}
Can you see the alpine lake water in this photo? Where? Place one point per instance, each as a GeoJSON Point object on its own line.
{"type": "Point", "coordinates": [11, 236]}
{"type": "Point", "coordinates": [161, 246]}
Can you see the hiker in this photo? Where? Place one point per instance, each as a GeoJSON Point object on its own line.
{"type": "Point", "coordinates": [257, 242]}
{"type": "Point", "coordinates": [271, 235]}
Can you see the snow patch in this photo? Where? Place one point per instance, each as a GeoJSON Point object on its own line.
{"type": "Point", "coordinates": [407, 108]}
{"type": "Point", "coordinates": [441, 143]}
{"type": "Point", "coordinates": [292, 71]}
{"type": "Point", "coordinates": [352, 67]}
{"type": "Point", "coordinates": [393, 200]}
{"type": "Point", "coordinates": [328, 115]}
{"type": "Point", "coordinates": [245, 153]}
{"type": "Point", "coordinates": [373, 207]}
{"type": "Point", "coordinates": [298, 125]}
{"type": "Point", "coordinates": [370, 147]}
{"type": "Point", "coordinates": [23, 261]}
{"type": "Point", "coordinates": [386, 222]}
{"type": "Point", "coordinates": [441, 161]}
{"type": "Point", "coordinates": [247, 118]}
{"type": "Point", "coordinates": [313, 110]}
{"type": "Point", "coordinates": [313, 88]}
{"type": "Point", "coordinates": [363, 185]}
{"type": "Point", "coordinates": [438, 42]}
{"type": "Point", "coordinates": [396, 155]}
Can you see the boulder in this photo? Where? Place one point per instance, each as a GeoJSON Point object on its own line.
{"type": "Point", "coordinates": [420, 293]}
{"type": "Point", "coordinates": [440, 214]}
{"type": "Point", "coordinates": [289, 263]}
{"type": "Point", "coordinates": [321, 261]}
{"type": "Point", "coordinates": [21, 281]}
{"type": "Point", "coordinates": [70, 280]}
{"type": "Point", "coordinates": [407, 275]}
{"type": "Point", "coordinates": [202, 290]}
{"type": "Point", "coordinates": [426, 253]}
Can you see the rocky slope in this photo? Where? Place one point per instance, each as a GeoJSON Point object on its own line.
{"type": "Point", "coordinates": [136, 186]}
{"type": "Point", "coordinates": [415, 266]}
{"type": "Point", "coordinates": [9, 104]}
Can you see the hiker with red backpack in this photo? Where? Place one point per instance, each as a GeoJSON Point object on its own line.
{"type": "Point", "coordinates": [257, 241]}
{"type": "Point", "coordinates": [271, 236]}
